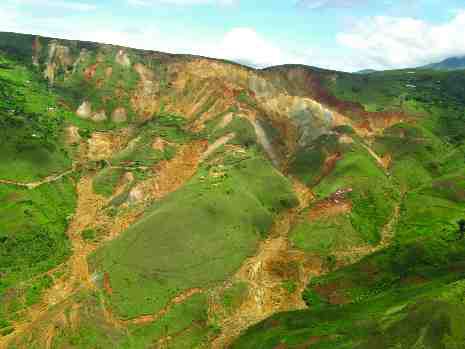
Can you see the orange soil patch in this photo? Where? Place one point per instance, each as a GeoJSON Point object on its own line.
{"type": "Point", "coordinates": [265, 273]}
{"type": "Point", "coordinates": [386, 160]}
{"type": "Point", "coordinates": [107, 283]}
{"type": "Point", "coordinates": [217, 144]}
{"type": "Point", "coordinates": [159, 144]}
{"type": "Point", "coordinates": [335, 205]}
{"type": "Point", "coordinates": [90, 71]}
{"type": "Point", "coordinates": [181, 298]}
{"type": "Point", "coordinates": [371, 120]}
{"type": "Point", "coordinates": [330, 163]}
{"type": "Point", "coordinates": [172, 174]}
{"type": "Point", "coordinates": [103, 145]}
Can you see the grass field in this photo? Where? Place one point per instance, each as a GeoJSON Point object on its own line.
{"type": "Point", "coordinates": [32, 240]}
{"type": "Point", "coordinates": [408, 295]}
{"type": "Point", "coordinates": [30, 136]}
{"type": "Point", "coordinates": [372, 194]}
{"type": "Point", "coordinates": [404, 296]}
{"type": "Point", "coordinates": [435, 96]}
{"type": "Point", "coordinates": [223, 218]}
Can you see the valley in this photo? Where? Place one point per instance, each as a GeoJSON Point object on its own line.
{"type": "Point", "coordinates": [152, 200]}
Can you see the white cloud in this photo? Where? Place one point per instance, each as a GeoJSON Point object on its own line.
{"type": "Point", "coordinates": [245, 45]}
{"type": "Point", "coordinates": [181, 2]}
{"type": "Point", "coordinates": [61, 4]}
{"type": "Point", "coordinates": [320, 4]}
{"type": "Point", "coordinates": [241, 44]}
{"type": "Point", "coordinates": [399, 42]}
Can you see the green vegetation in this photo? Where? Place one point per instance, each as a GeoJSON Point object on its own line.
{"type": "Point", "coordinates": [32, 239]}
{"type": "Point", "coordinates": [30, 126]}
{"type": "Point", "coordinates": [406, 294]}
{"type": "Point", "coordinates": [93, 331]}
{"type": "Point", "coordinates": [89, 234]}
{"type": "Point", "coordinates": [432, 208]}
{"type": "Point", "coordinates": [435, 94]}
{"type": "Point", "coordinates": [233, 296]}
{"type": "Point", "coordinates": [308, 162]}
{"type": "Point", "coordinates": [290, 286]}
{"type": "Point", "coordinates": [106, 180]}
{"type": "Point", "coordinates": [241, 127]}
{"type": "Point", "coordinates": [409, 295]}
{"type": "Point", "coordinates": [166, 129]}
{"type": "Point", "coordinates": [223, 217]}
{"type": "Point", "coordinates": [246, 99]}
{"type": "Point", "coordinates": [103, 82]}
{"type": "Point", "coordinates": [326, 234]}
{"type": "Point", "coordinates": [188, 322]}
{"type": "Point", "coordinates": [416, 154]}
{"type": "Point", "coordinates": [330, 167]}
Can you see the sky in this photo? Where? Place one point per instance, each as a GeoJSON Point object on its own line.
{"type": "Point", "coordinates": [346, 35]}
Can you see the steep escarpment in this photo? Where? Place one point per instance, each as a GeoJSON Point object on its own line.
{"type": "Point", "coordinates": [176, 201]}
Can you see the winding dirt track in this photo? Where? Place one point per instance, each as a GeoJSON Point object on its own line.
{"type": "Point", "coordinates": [356, 253]}
{"type": "Point", "coordinates": [170, 175]}
{"type": "Point", "coordinates": [35, 184]}
{"type": "Point", "coordinates": [266, 295]}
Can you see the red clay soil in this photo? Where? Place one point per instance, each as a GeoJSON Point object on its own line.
{"type": "Point", "coordinates": [90, 71]}
{"type": "Point", "coordinates": [336, 204]}
{"type": "Point", "coordinates": [314, 84]}
{"type": "Point", "coordinates": [332, 292]}
{"type": "Point", "coordinates": [107, 284]}
{"type": "Point", "coordinates": [312, 340]}
{"type": "Point", "coordinates": [328, 166]}
{"type": "Point", "coordinates": [330, 163]}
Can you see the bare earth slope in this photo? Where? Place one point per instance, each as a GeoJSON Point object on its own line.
{"type": "Point", "coordinates": [208, 196]}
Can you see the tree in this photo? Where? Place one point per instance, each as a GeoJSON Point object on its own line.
{"type": "Point", "coordinates": [461, 224]}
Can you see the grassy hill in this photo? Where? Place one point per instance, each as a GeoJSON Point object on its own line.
{"type": "Point", "coordinates": [156, 200]}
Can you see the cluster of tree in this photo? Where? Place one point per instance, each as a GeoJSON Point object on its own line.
{"type": "Point", "coordinates": [461, 230]}
{"type": "Point", "coordinates": [22, 128]}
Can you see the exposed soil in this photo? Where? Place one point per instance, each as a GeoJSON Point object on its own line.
{"type": "Point", "coordinates": [383, 162]}
{"type": "Point", "coordinates": [265, 273]}
{"type": "Point", "coordinates": [216, 145]}
{"type": "Point", "coordinates": [336, 204]}
{"type": "Point", "coordinates": [86, 216]}
{"type": "Point", "coordinates": [358, 252]}
{"type": "Point", "coordinates": [171, 175]}
{"type": "Point", "coordinates": [369, 120]}
{"type": "Point", "coordinates": [180, 298]}
{"type": "Point", "coordinates": [332, 292]}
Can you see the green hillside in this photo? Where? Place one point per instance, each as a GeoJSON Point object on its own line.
{"type": "Point", "coordinates": [150, 200]}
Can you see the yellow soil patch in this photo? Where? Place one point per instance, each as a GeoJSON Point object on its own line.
{"type": "Point", "coordinates": [265, 273]}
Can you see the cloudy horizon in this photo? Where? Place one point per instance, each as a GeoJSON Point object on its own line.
{"type": "Point", "coordinates": [347, 35]}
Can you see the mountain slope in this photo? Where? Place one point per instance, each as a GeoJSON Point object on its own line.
{"type": "Point", "coordinates": [207, 196]}
{"type": "Point", "coordinates": [452, 63]}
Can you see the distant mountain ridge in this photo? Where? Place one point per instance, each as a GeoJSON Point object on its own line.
{"type": "Point", "coordinates": [452, 63]}
{"type": "Point", "coordinates": [366, 71]}
{"type": "Point", "coordinates": [154, 200]}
